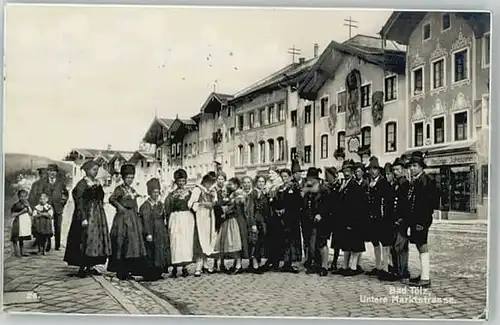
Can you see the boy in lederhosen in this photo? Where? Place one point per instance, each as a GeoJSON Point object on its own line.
{"type": "Point", "coordinates": [315, 214]}
{"type": "Point", "coordinates": [422, 201]}
{"type": "Point", "coordinates": [379, 225]}
{"type": "Point", "coordinates": [351, 214]}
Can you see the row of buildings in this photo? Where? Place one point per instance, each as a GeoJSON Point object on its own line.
{"type": "Point", "coordinates": [422, 85]}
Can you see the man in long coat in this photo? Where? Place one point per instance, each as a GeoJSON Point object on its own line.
{"type": "Point", "coordinates": [422, 201]}
{"type": "Point", "coordinates": [58, 196]}
{"type": "Point", "coordinates": [352, 215]}
{"type": "Point", "coordinates": [37, 188]}
{"type": "Point", "coordinates": [332, 185]}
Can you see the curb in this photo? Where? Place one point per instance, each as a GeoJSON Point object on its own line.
{"type": "Point", "coordinates": [169, 308]}
{"type": "Point", "coordinates": [117, 295]}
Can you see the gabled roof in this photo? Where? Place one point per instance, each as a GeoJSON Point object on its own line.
{"type": "Point", "coordinates": [219, 97]}
{"type": "Point", "coordinates": [96, 153]}
{"type": "Point", "coordinates": [182, 123]}
{"type": "Point", "coordinates": [334, 54]}
{"type": "Point", "coordinates": [288, 73]}
{"type": "Point", "coordinates": [142, 155]}
{"type": "Point", "coordinates": [401, 24]}
{"type": "Point", "coordinates": [125, 155]}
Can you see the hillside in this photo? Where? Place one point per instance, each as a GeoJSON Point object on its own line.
{"type": "Point", "coordinates": [15, 162]}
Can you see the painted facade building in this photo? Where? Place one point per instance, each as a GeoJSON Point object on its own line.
{"type": "Point", "coordinates": [262, 111]}
{"type": "Point", "coordinates": [352, 105]}
{"type": "Point", "coordinates": [447, 67]}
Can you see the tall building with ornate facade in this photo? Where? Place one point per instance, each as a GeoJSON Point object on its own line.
{"type": "Point", "coordinates": [352, 104]}
{"type": "Point", "coordinates": [447, 91]}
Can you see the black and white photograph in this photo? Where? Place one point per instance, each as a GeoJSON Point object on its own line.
{"type": "Point", "coordinates": [246, 161]}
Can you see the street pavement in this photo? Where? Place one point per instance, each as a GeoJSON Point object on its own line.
{"type": "Point", "coordinates": [458, 260]}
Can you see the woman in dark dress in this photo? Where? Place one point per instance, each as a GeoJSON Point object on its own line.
{"type": "Point", "coordinates": [152, 215]}
{"type": "Point", "coordinates": [128, 254]}
{"type": "Point", "coordinates": [88, 241]}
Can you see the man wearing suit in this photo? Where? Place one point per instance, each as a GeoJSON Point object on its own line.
{"type": "Point", "coordinates": [58, 195]}
{"type": "Point", "coordinates": [422, 198]}
{"type": "Point", "coordinates": [37, 188]}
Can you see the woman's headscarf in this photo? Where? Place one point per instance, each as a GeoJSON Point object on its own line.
{"type": "Point", "coordinates": [88, 165]}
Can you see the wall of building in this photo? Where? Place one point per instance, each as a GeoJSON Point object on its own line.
{"type": "Point", "coordinates": [394, 111]}
{"type": "Point", "coordinates": [275, 131]}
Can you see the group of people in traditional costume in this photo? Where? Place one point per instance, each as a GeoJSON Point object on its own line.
{"type": "Point", "coordinates": [274, 217]}
{"type": "Point", "coordinates": [38, 212]}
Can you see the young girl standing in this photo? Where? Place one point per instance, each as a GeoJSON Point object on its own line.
{"type": "Point", "coordinates": [21, 222]}
{"type": "Point", "coordinates": [43, 215]}
{"type": "Point", "coordinates": [233, 235]}
{"type": "Point", "coordinates": [128, 253]}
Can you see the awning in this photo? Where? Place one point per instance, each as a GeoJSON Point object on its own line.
{"type": "Point", "coordinates": [457, 147]}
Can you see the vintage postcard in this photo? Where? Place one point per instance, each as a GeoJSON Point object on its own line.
{"type": "Point", "coordinates": [246, 162]}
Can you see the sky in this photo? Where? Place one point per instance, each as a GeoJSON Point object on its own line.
{"type": "Point", "coordinates": [94, 76]}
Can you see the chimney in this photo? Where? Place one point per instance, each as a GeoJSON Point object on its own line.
{"type": "Point", "coordinates": [302, 60]}
{"type": "Point", "coordinates": [316, 50]}
{"type": "Point", "coordinates": [109, 147]}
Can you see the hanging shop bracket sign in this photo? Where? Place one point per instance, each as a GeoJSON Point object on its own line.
{"type": "Point", "coordinates": [468, 158]}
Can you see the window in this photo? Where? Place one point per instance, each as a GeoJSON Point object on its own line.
{"type": "Point", "coordinates": [417, 81]}
{"type": "Point", "coordinates": [419, 134]}
{"type": "Point", "coordinates": [240, 155]}
{"type": "Point", "coordinates": [307, 114]}
{"type": "Point", "coordinates": [281, 149]}
{"type": "Point", "coordinates": [293, 117]}
{"type": "Point", "coordinates": [438, 74]}
{"type": "Point", "coordinates": [261, 116]}
{"type": "Point", "coordinates": [428, 131]}
{"type": "Point", "coordinates": [390, 137]}
{"type": "Point", "coordinates": [262, 150]}
{"type": "Point", "coordinates": [445, 21]}
{"type": "Point", "coordinates": [439, 130]}
{"type": "Point", "coordinates": [324, 107]}
{"type": "Point", "coordinates": [251, 153]}
{"type": "Point", "coordinates": [293, 153]}
{"type": "Point", "coordinates": [270, 114]}
{"type": "Point", "coordinates": [390, 89]}
{"type": "Point", "coordinates": [460, 65]}
{"type": "Point", "coordinates": [240, 122]}
{"type": "Point", "coordinates": [461, 126]}
{"type": "Point", "coordinates": [366, 136]}
{"type": "Point", "coordinates": [179, 147]}
{"type": "Point", "coordinates": [307, 154]}
{"type": "Point", "coordinates": [341, 101]}
{"type": "Point", "coordinates": [229, 111]}
{"type": "Point", "coordinates": [486, 50]}
{"type": "Point", "coordinates": [365, 95]}
{"type": "Point", "coordinates": [281, 112]}
{"type": "Point", "coordinates": [324, 146]}
{"type": "Point", "coordinates": [190, 149]}
{"type": "Point", "coordinates": [271, 150]}
{"type": "Point", "coordinates": [426, 33]}
{"type": "Point", "coordinates": [251, 120]}
{"type": "Point", "coordinates": [231, 133]}
{"type": "Point", "coordinates": [341, 139]}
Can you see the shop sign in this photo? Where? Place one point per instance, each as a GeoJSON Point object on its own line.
{"type": "Point", "coordinates": [469, 158]}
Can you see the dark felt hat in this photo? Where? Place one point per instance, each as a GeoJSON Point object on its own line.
{"type": "Point", "coordinates": [398, 162]}
{"type": "Point", "coordinates": [330, 171]}
{"type": "Point", "coordinates": [348, 164]}
{"type": "Point", "coordinates": [180, 173]}
{"type": "Point", "coordinates": [313, 172]}
{"type": "Point", "coordinates": [52, 168]}
{"type": "Point", "coordinates": [295, 166]}
{"type": "Point", "coordinates": [153, 184]}
{"type": "Point", "coordinates": [127, 169]}
{"type": "Point", "coordinates": [418, 157]}
{"type": "Point", "coordinates": [42, 170]}
{"type": "Point", "coordinates": [359, 165]}
{"type": "Point", "coordinates": [387, 167]}
{"type": "Point", "coordinates": [373, 162]}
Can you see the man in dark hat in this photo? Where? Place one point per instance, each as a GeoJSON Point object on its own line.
{"type": "Point", "coordinates": [421, 197]}
{"type": "Point", "coordinates": [286, 207]}
{"type": "Point", "coordinates": [58, 195]}
{"type": "Point", "coordinates": [351, 216]}
{"type": "Point", "coordinates": [315, 216]}
{"type": "Point", "coordinates": [332, 185]}
{"type": "Point", "coordinates": [379, 225]}
{"type": "Point", "coordinates": [388, 174]}
{"type": "Point", "coordinates": [399, 210]}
